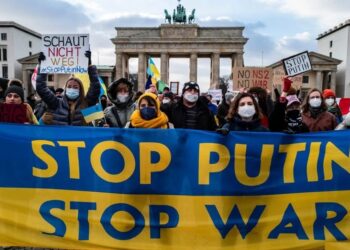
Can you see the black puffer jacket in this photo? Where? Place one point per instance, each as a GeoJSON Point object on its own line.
{"type": "Point", "coordinates": [59, 110]}
{"type": "Point", "coordinates": [177, 115]}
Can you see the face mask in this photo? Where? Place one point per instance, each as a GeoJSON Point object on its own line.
{"type": "Point", "coordinates": [191, 98]}
{"type": "Point", "coordinates": [122, 97]}
{"type": "Point", "coordinates": [165, 101]}
{"type": "Point", "coordinates": [329, 102]}
{"type": "Point", "coordinates": [72, 94]}
{"type": "Point", "coordinates": [347, 120]}
{"type": "Point", "coordinates": [315, 102]}
{"type": "Point", "coordinates": [246, 111]}
{"type": "Point", "coordinates": [148, 113]}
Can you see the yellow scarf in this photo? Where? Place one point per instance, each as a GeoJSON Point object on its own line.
{"type": "Point", "coordinates": [161, 121]}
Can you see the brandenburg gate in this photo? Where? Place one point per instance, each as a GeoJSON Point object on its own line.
{"type": "Point", "coordinates": [178, 40]}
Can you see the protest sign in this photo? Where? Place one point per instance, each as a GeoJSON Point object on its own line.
{"type": "Point", "coordinates": [247, 77]}
{"type": "Point", "coordinates": [297, 64]}
{"type": "Point", "coordinates": [187, 189]}
{"type": "Point", "coordinates": [64, 53]}
{"type": "Point", "coordinates": [174, 87]}
{"type": "Point", "coordinates": [279, 74]}
{"type": "Point", "coordinates": [216, 94]}
{"type": "Point", "coordinates": [13, 113]}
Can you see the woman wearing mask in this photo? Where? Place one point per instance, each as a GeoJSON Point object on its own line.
{"type": "Point", "coordinates": [120, 93]}
{"type": "Point", "coordinates": [66, 110]}
{"type": "Point", "coordinates": [315, 114]}
{"type": "Point", "coordinates": [148, 114]}
{"type": "Point", "coordinates": [332, 106]}
{"type": "Point", "coordinates": [244, 115]}
{"type": "Point", "coordinates": [14, 94]}
{"type": "Point", "coordinates": [286, 115]}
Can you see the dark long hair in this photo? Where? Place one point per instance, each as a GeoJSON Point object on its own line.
{"type": "Point", "coordinates": [233, 110]}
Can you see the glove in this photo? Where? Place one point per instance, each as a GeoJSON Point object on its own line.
{"type": "Point", "coordinates": [41, 57]}
{"type": "Point", "coordinates": [287, 83]}
{"type": "Point", "coordinates": [88, 55]}
{"type": "Point", "coordinates": [223, 131]}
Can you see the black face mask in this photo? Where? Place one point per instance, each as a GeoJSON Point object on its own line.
{"type": "Point", "coordinates": [293, 119]}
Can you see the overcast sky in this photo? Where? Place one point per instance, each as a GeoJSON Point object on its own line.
{"type": "Point", "coordinates": [275, 28]}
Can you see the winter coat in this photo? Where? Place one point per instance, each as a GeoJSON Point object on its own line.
{"type": "Point", "coordinates": [119, 113]}
{"type": "Point", "coordinates": [325, 121]}
{"type": "Point", "coordinates": [59, 111]}
{"type": "Point", "coordinates": [176, 113]}
{"type": "Point", "coordinates": [278, 122]}
{"type": "Point", "coordinates": [237, 124]}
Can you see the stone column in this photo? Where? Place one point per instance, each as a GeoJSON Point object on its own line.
{"type": "Point", "coordinates": [119, 66]}
{"type": "Point", "coordinates": [193, 67]}
{"type": "Point", "coordinates": [215, 71]}
{"type": "Point", "coordinates": [333, 81]}
{"type": "Point", "coordinates": [125, 65]}
{"type": "Point", "coordinates": [164, 68]}
{"type": "Point", "coordinates": [26, 84]}
{"type": "Point", "coordinates": [141, 79]}
{"type": "Point", "coordinates": [319, 78]}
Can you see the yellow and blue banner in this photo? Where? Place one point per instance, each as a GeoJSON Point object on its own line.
{"type": "Point", "coordinates": [93, 113]}
{"type": "Point", "coordinates": [98, 188]}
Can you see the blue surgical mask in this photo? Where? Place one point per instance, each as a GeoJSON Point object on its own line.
{"type": "Point", "coordinates": [72, 94]}
{"type": "Point", "coordinates": [148, 113]}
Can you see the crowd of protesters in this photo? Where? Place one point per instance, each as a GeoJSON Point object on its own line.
{"type": "Point", "coordinates": [250, 110]}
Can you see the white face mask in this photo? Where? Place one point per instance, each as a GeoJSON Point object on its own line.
{"type": "Point", "coordinates": [347, 120]}
{"type": "Point", "coordinates": [191, 98]}
{"type": "Point", "coordinates": [246, 111]}
{"type": "Point", "coordinates": [166, 101]}
{"type": "Point", "coordinates": [122, 97]}
{"type": "Point", "coordinates": [315, 102]}
{"type": "Point", "coordinates": [329, 101]}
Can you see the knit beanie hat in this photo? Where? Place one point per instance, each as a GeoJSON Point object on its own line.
{"type": "Point", "coordinates": [15, 89]}
{"type": "Point", "coordinates": [292, 99]}
{"type": "Point", "coordinates": [328, 93]}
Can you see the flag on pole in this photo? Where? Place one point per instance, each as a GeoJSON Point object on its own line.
{"type": "Point", "coordinates": [84, 78]}
{"type": "Point", "coordinates": [103, 90]}
{"type": "Point", "coordinates": [34, 75]}
{"type": "Point", "coordinates": [161, 85]}
{"type": "Point", "coordinates": [93, 113]}
{"type": "Point", "coordinates": [149, 82]}
{"type": "Point", "coordinates": [153, 72]}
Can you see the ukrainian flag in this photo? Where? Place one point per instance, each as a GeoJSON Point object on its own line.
{"type": "Point", "coordinates": [93, 113]}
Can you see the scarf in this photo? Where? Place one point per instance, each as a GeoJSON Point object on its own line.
{"type": "Point", "coordinates": [315, 112]}
{"type": "Point", "coordinates": [161, 121]}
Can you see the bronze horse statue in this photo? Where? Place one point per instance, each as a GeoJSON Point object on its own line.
{"type": "Point", "coordinates": [167, 16]}
{"type": "Point", "coordinates": [191, 17]}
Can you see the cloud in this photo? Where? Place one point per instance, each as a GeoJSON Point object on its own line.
{"type": "Point", "coordinates": [327, 13]}
{"type": "Point", "coordinates": [45, 16]}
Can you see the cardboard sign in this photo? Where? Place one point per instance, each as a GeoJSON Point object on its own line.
{"type": "Point", "coordinates": [216, 94]}
{"type": "Point", "coordinates": [13, 113]}
{"type": "Point", "coordinates": [247, 77]}
{"type": "Point", "coordinates": [297, 64]}
{"type": "Point", "coordinates": [279, 74]}
{"type": "Point", "coordinates": [65, 53]}
{"type": "Point", "coordinates": [174, 87]}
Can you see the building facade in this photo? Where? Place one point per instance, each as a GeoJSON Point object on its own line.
{"type": "Point", "coordinates": [322, 75]}
{"type": "Point", "coordinates": [16, 41]}
{"type": "Point", "coordinates": [178, 40]}
{"type": "Point", "coordinates": [335, 43]}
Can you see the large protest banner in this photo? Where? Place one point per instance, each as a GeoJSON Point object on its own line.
{"type": "Point", "coordinates": [64, 53]}
{"type": "Point", "coordinates": [95, 188]}
{"type": "Point", "coordinates": [247, 77]}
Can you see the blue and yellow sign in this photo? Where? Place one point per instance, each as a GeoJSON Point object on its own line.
{"type": "Point", "coordinates": [98, 188]}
